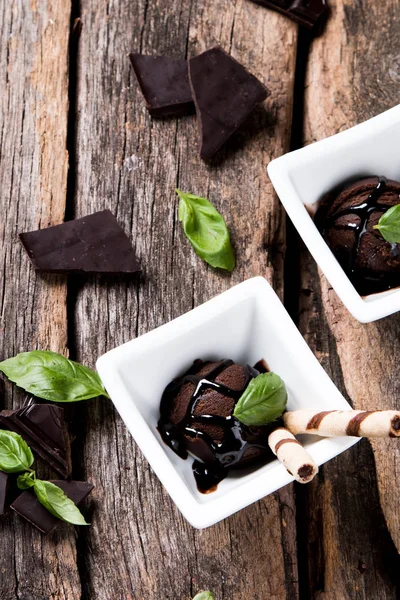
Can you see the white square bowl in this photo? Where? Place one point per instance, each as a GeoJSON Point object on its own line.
{"type": "Point", "coordinates": [303, 177]}
{"type": "Point", "coordinates": [246, 323]}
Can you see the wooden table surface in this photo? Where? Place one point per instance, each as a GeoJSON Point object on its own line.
{"type": "Point", "coordinates": [75, 137]}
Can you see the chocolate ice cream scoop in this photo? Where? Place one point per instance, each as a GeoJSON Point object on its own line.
{"type": "Point", "coordinates": [197, 417]}
{"type": "Point", "coordinates": [346, 220]}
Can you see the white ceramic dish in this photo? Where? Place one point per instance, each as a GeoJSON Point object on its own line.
{"type": "Point", "coordinates": [301, 179]}
{"type": "Point", "coordinates": [246, 323]}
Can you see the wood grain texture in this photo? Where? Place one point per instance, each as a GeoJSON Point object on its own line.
{"type": "Point", "coordinates": [33, 175]}
{"type": "Point", "coordinates": [350, 78]}
{"type": "Point", "coordinates": [344, 541]}
{"type": "Point", "coordinates": [131, 164]}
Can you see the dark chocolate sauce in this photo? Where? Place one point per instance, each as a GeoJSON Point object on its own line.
{"type": "Point", "coordinates": [365, 281]}
{"type": "Point", "coordinates": [208, 476]}
{"type": "Point", "coordinates": [362, 211]}
{"type": "Point", "coordinates": [262, 366]}
{"type": "Point", "coordinates": [237, 438]}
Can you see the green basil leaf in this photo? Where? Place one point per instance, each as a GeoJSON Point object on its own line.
{"type": "Point", "coordinates": [15, 454]}
{"type": "Point", "coordinates": [57, 503]}
{"type": "Point", "coordinates": [53, 377]}
{"type": "Point", "coordinates": [204, 596]}
{"type": "Point", "coordinates": [389, 225]}
{"type": "Point", "coordinates": [206, 230]}
{"type": "Point", "coordinates": [26, 481]}
{"type": "Point", "coordinates": [263, 401]}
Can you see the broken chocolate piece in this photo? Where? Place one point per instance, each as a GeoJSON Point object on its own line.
{"type": "Point", "coordinates": [305, 12]}
{"type": "Point", "coordinates": [29, 507]}
{"type": "Point", "coordinates": [164, 83]}
{"type": "Point", "coordinates": [3, 491]}
{"type": "Point", "coordinates": [93, 244]}
{"type": "Point", "coordinates": [225, 94]}
{"type": "Point", "coordinates": [43, 428]}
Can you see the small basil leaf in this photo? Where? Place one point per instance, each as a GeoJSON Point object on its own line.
{"type": "Point", "coordinates": [15, 454]}
{"type": "Point", "coordinates": [57, 503]}
{"type": "Point", "coordinates": [206, 230]}
{"type": "Point", "coordinates": [389, 225]}
{"type": "Point", "coordinates": [53, 377]}
{"type": "Point", "coordinates": [204, 596]}
{"type": "Point", "coordinates": [263, 401]}
{"type": "Point", "coordinates": [26, 481]}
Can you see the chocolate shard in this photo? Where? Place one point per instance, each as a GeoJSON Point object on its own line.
{"type": "Point", "coordinates": [3, 491]}
{"type": "Point", "coordinates": [44, 429]}
{"type": "Point", "coordinates": [308, 13]}
{"type": "Point", "coordinates": [92, 244]}
{"type": "Point", "coordinates": [164, 83]}
{"type": "Point", "coordinates": [29, 507]}
{"type": "Point", "coordinates": [225, 94]}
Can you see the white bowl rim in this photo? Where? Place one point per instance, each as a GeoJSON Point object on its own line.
{"type": "Point", "coordinates": [366, 309]}
{"type": "Point", "coordinates": [203, 515]}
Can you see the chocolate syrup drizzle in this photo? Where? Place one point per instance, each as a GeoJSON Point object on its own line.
{"type": "Point", "coordinates": [236, 440]}
{"type": "Point", "coordinates": [363, 211]}
{"type": "Point", "coordinates": [365, 282]}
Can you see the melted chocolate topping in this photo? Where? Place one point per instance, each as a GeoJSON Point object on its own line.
{"type": "Point", "coordinates": [236, 440]}
{"type": "Point", "coordinates": [208, 476]}
{"type": "Point", "coordinates": [365, 281]}
{"type": "Point", "coordinates": [362, 211]}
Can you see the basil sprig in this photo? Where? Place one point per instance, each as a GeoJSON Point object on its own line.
{"type": "Point", "coordinates": [26, 481]}
{"type": "Point", "coordinates": [57, 503]}
{"type": "Point", "coordinates": [263, 401]}
{"type": "Point", "coordinates": [16, 457]}
{"type": "Point", "coordinates": [15, 454]}
{"type": "Point", "coordinates": [389, 225]}
{"type": "Point", "coordinates": [204, 596]}
{"type": "Point", "coordinates": [206, 230]}
{"type": "Point", "coordinates": [53, 377]}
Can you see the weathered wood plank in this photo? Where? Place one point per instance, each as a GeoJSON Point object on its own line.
{"type": "Point", "coordinates": [346, 547]}
{"type": "Point", "coordinates": [130, 164]}
{"type": "Point", "coordinates": [349, 80]}
{"type": "Point", "coordinates": [33, 175]}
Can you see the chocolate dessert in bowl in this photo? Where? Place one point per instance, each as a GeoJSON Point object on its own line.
{"type": "Point", "coordinates": [230, 416]}
{"type": "Point", "coordinates": [354, 175]}
{"type": "Point", "coordinates": [223, 414]}
{"type": "Point", "coordinates": [244, 324]}
{"type": "Point", "coordinates": [360, 222]}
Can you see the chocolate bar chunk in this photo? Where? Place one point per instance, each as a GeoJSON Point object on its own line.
{"type": "Point", "coordinates": [164, 83]}
{"type": "Point", "coordinates": [305, 12]}
{"type": "Point", "coordinates": [224, 93]}
{"type": "Point", "coordinates": [3, 491]}
{"type": "Point", "coordinates": [44, 429]}
{"type": "Point", "coordinates": [29, 507]}
{"type": "Point", "coordinates": [93, 244]}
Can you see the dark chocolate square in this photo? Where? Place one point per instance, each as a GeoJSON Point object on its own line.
{"type": "Point", "coordinates": [92, 244]}
{"type": "Point", "coordinates": [29, 507]}
{"type": "Point", "coordinates": [3, 491]}
{"type": "Point", "coordinates": [44, 429]}
{"type": "Point", "coordinates": [164, 83]}
{"type": "Point", "coordinates": [307, 13]}
{"type": "Point", "coordinates": [225, 94]}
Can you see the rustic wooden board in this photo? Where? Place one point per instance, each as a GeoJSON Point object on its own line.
{"type": "Point", "coordinates": [138, 545]}
{"type": "Point", "coordinates": [33, 177]}
{"type": "Point", "coordinates": [346, 549]}
{"type": "Point", "coordinates": [350, 78]}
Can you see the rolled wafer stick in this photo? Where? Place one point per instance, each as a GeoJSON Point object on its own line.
{"type": "Point", "coordinates": [292, 455]}
{"type": "Point", "coordinates": [356, 423]}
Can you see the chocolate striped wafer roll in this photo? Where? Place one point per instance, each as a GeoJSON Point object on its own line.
{"type": "Point", "coordinates": [292, 455]}
{"type": "Point", "coordinates": [356, 423]}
